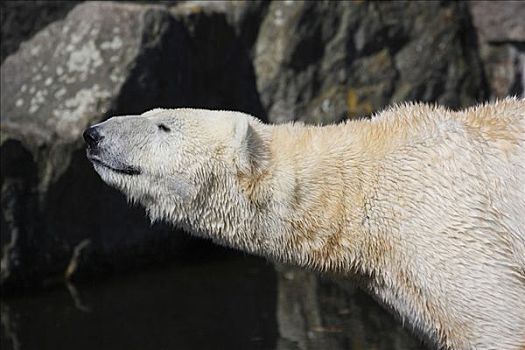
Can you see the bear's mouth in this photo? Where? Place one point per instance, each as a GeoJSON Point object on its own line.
{"type": "Point", "coordinates": [121, 169]}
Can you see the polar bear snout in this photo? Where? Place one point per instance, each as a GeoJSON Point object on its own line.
{"type": "Point", "coordinates": [92, 136]}
{"type": "Point", "coordinates": [106, 156]}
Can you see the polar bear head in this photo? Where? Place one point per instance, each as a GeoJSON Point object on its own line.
{"type": "Point", "coordinates": [182, 165]}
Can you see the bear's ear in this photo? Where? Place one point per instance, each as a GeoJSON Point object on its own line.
{"type": "Point", "coordinates": [249, 149]}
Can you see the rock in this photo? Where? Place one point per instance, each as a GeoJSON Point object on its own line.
{"type": "Point", "coordinates": [499, 21]}
{"type": "Point", "coordinates": [322, 62]}
{"type": "Point", "coordinates": [501, 34]}
{"type": "Point", "coordinates": [103, 59]}
{"type": "Point", "coordinates": [53, 86]}
{"type": "Point", "coordinates": [70, 75]}
{"type": "Point", "coordinates": [504, 69]}
{"type": "Point", "coordinates": [22, 19]}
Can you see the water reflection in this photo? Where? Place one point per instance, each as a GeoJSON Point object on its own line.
{"type": "Point", "coordinates": [224, 304]}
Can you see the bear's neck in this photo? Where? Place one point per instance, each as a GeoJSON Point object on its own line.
{"type": "Point", "coordinates": [309, 204]}
{"type": "Point", "coordinates": [318, 182]}
{"type": "Point", "coordinates": [306, 206]}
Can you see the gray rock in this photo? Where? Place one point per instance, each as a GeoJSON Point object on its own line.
{"type": "Point", "coordinates": [499, 21]}
{"type": "Point", "coordinates": [103, 59]}
{"type": "Point", "coordinates": [501, 34]}
{"type": "Point", "coordinates": [68, 76]}
{"type": "Point", "coordinates": [322, 62]}
{"type": "Point", "coordinates": [22, 19]}
{"type": "Point", "coordinates": [504, 68]}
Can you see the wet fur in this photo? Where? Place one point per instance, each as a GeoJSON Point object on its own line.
{"type": "Point", "coordinates": [423, 204]}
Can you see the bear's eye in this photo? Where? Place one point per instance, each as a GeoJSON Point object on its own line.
{"type": "Point", "coordinates": [163, 127]}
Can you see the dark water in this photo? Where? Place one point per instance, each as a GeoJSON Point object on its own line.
{"type": "Point", "coordinates": [225, 304]}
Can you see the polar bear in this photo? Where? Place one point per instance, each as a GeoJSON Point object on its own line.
{"type": "Point", "coordinates": [424, 206]}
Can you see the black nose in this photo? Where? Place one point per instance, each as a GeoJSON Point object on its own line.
{"type": "Point", "coordinates": [92, 136]}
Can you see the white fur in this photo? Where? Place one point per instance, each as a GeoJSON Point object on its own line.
{"type": "Point", "coordinates": [424, 206]}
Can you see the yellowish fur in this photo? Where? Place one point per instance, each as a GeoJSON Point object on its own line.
{"type": "Point", "coordinates": [423, 205]}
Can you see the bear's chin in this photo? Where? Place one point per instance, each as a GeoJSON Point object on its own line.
{"type": "Point", "coordinates": [115, 168]}
{"type": "Point", "coordinates": [113, 178]}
